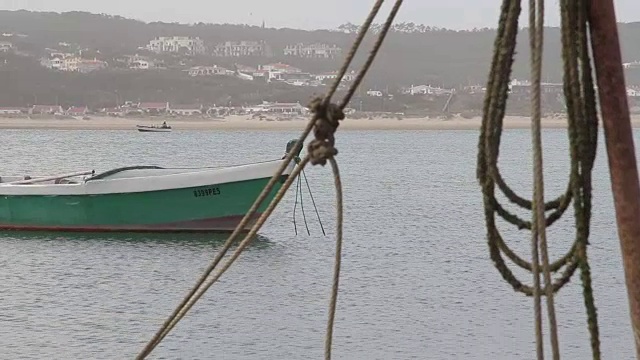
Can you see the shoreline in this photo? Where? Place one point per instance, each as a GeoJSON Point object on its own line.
{"type": "Point", "coordinates": [240, 123]}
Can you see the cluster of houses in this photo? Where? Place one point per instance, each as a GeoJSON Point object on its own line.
{"type": "Point", "coordinates": [242, 49]}
{"type": "Point", "coordinates": [631, 65]}
{"type": "Point", "coordinates": [45, 110]}
{"type": "Point", "coordinates": [167, 108]}
{"type": "Point", "coordinates": [196, 46]}
{"type": "Point", "coordinates": [174, 44]}
{"type": "Point", "coordinates": [519, 87]}
{"type": "Point", "coordinates": [72, 63]}
{"type": "Point", "coordinates": [276, 72]}
{"type": "Point", "coordinates": [414, 90]}
{"type": "Point", "coordinates": [5, 46]}
{"type": "Point", "coordinates": [291, 75]}
{"type": "Point", "coordinates": [426, 90]}
{"type": "Point", "coordinates": [161, 108]}
{"type": "Point", "coordinates": [516, 87]}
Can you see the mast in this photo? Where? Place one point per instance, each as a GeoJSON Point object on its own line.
{"type": "Point", "coordinates": [620, 147]}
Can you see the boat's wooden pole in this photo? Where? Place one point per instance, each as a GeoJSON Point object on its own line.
{"type": "Point", "coordinates": [620, 148]}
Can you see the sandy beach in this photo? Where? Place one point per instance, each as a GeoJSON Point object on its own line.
{"type": "Point", "coordinates": [244, 123]}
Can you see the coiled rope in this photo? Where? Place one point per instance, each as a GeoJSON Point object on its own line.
{"type": "Point", "coordinates": [324, 122]}
{"type": "Point", "coordinates": [582, 131]}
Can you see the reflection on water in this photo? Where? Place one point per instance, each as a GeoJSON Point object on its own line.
{"type": "Point", "coordinates": [148, 238]}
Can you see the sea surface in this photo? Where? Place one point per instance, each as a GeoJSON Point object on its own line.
{"type": "Point", "coordinates": [417, 282]}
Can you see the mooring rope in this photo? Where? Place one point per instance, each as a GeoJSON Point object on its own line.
{"type": "Point", "coordinates": [295, 205]}
{"type": "Point", "coordinates": [324, 122]}
{"type": "Point", "coordinates": [313, 202]}
{"type": "Point", "coordinates": [538, 233]}
{"type": "Point", "coordinates": [337, 262]}
{"type": "Point", "coordinates": [580, 100]}
{"type": "Point", "coordinates": [304, 216]}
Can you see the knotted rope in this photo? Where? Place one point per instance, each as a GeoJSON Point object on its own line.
{"type": "Point", "coordinates": [328, 119]}
{"type": "Point", "coordinates": [582, 130]}
{"type": "Point", "coordinates": [320, 150]}
{"type": "Point", "coordinates": [325, 121]}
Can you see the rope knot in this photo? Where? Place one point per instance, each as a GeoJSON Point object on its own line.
{"type": "Point", "coordinates": [328, 118]}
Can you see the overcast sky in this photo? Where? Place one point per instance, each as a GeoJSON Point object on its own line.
{"type": "Point", "coordinates": [303, 14]}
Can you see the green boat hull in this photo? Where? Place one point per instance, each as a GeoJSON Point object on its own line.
{"type": "Point", "coordinates": [218, 207]}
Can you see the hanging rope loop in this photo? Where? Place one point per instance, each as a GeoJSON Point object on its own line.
{"type": "Point", "coordinates": [328, 116]}
{"type": "Point", "coordinates": [582, 129]}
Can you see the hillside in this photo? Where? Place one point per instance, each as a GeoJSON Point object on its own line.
{"type": "Point", "coordinates": [412, 54]}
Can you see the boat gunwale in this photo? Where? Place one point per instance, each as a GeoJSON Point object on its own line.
{"type": "Point", "coordinates": [189, 179]}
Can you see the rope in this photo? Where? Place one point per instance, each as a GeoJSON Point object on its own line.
{"type": "Point", "coordinates": [582, 131]}
{"type": "Point", "coordinates": [325, 121]}
{"type": "Point", "coordinates": [539, 236]}
{"type": "Point", "coordinates": [336, 268]}
{"type": "Point", "coordinates": [295, 205]}
{"type": "Point", "coordinates": [538, 232]}
{"type": "Point", "coordinates": [583, 144]}
{"type": "Point", "coordinates": [313, 202]}
{"type": "Point", "coordinates": [304, 216]}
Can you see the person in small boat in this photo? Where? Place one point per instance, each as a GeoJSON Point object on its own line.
{"type": "Point", "coordinates": [164, 124]}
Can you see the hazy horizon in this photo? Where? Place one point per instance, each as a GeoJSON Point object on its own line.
{"type": "Point", "coordinates": [301, 14]}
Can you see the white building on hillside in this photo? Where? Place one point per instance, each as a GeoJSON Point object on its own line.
{"type": "Point", "coordinates": [317, 50]}
{"type": "Point", "coordinates": [426, 90]}
{"type": "Point", "coordinates": [631, 65]}
{"type": "Point", "coordinates": [5, 46]}
{"type": "Point", "coordinates": [243, 48]}
{"type": "Point", "coordinates": [278, 108]}
{"type": "Point", "coordinates": [208, 71]}
{"type": "Point", "coordinates": [174, 44]}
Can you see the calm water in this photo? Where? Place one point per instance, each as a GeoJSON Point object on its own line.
{"type": "Point", "coordinates": [417, 282]}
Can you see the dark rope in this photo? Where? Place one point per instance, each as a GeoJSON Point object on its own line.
{"type": "Point", "coordinates": [582, 117]}
{"type": "Point", "coordinates": [583, 140]}
{"type": "Point", "coordinates": [328, 118]}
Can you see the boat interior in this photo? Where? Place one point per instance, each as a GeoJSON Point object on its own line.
{"type": "Point", "coordinates": [24, 180]}
{"type": "Point", "coordinates": [118, 173]}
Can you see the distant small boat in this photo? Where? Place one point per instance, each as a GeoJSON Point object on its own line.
{"type": "Point", "coordinates": [154, 128]}
{"type": "Point", "coordinates": [138, 198]}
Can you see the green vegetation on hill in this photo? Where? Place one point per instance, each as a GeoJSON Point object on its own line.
{"type": "Point", "coordinates": [412, 54]}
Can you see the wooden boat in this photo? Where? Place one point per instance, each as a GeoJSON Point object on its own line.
{"type": "Point", "coordinates": [137, 199]}
{"type": "Point", "coordinates": [154, 128]}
